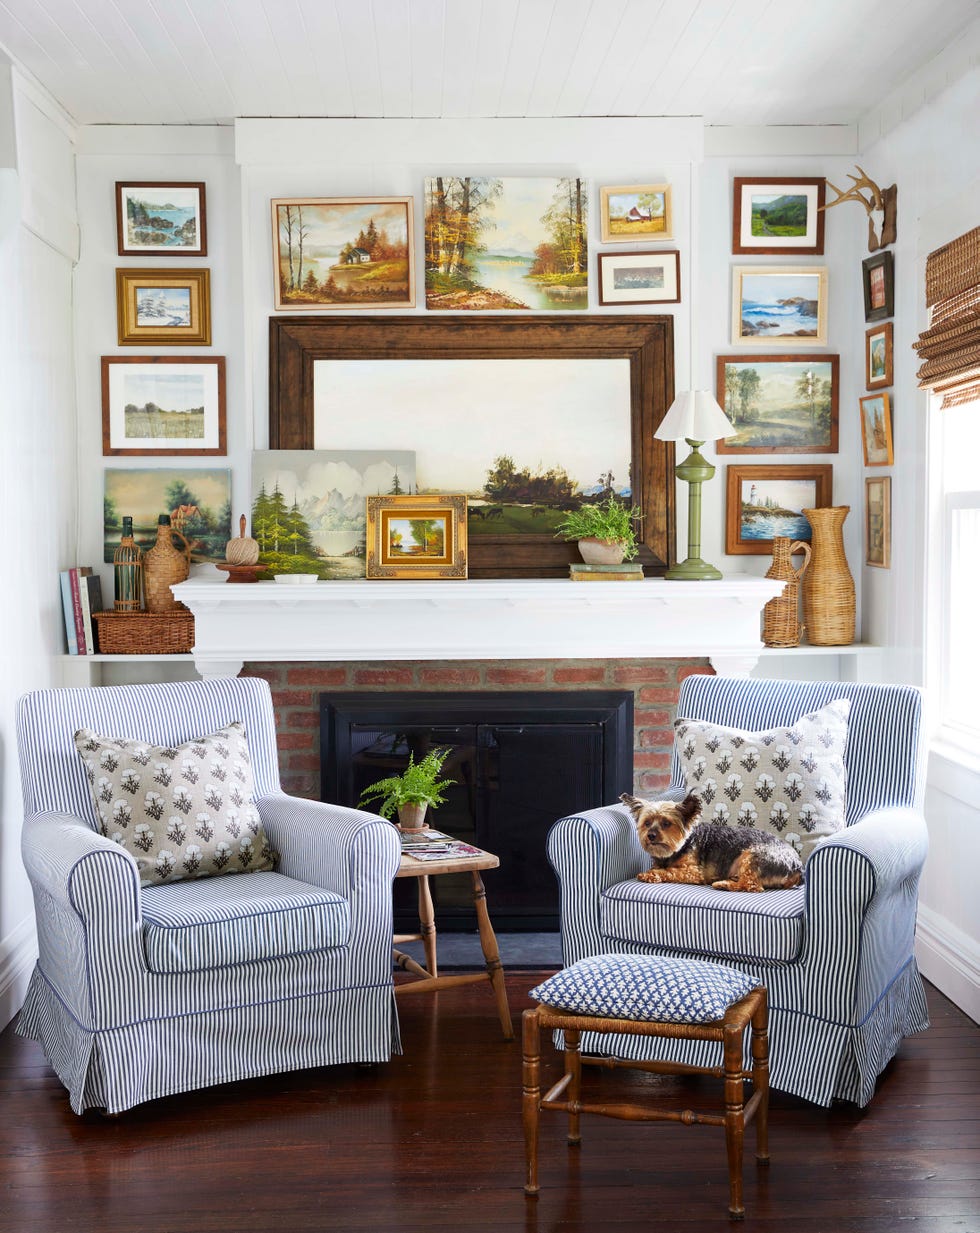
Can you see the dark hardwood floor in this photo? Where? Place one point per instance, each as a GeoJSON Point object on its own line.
{"type": "Point", "coordinates": [433, 1141]}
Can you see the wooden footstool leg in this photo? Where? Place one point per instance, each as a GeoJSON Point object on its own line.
{"type": "Point", "coordinates": [531, 1106]}
{"type": "Point", "coordinates": [760, 1077]}
{"type": "Point", "coordinates": [734, 1117]}
{"type": "Point", "coordinates": [573, 1068]}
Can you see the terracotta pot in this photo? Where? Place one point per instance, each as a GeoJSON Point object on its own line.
{"type": "Point", "coordinates": [411, 817]}
{"type": "Point", "coordinates": [601, 551]}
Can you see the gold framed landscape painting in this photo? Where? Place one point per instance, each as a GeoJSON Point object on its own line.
{"type": "Point", "coordinates": [779, 304]}
{"type": "Point", "coordinates": [343, 252]}
{"type": "Point", "coordinates": [878, 356]}
{"type": "Point", "coordinates": [876, 430]}
{"type": "Point", "coordinates": [878, 521]}
{"type": "Point", "coordinates": [161, 308]}
{"type": "Point", "coordinates": [631, 212]}
{"type": "Point", "coordinates": [420, 536]}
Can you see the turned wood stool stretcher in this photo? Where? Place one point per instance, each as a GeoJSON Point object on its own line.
{"type": "Point", "coordinates": [566, 1094]}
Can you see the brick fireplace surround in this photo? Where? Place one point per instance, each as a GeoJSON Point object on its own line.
{"type": "Point", "coordinates": [296, 689]}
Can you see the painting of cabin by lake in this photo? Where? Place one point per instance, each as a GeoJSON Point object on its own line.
{"type": "Point", "coordinates": [344, 253]}
{"type": "Point", "coordinates": [511, 243]}
{"type": "Point", "coordinates": [779, 405]}
{"type": "Point", "coordinates": [773, 507]}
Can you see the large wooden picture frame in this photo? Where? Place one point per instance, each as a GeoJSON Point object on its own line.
{"type": "Point", "coordinates": [645, 342]}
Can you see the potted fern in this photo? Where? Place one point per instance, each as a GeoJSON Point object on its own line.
{"type": "Point", "coordinates": [412, 792]}
{"type": "Point", "coordinates": [606, 531]}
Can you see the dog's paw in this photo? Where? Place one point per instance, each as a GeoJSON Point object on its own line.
{"type": "Point", "coordinates": [651, 875]}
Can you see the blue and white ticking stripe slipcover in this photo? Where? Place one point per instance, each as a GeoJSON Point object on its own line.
{"type": "Point", "coordinates": [835, 955]}
{"type": "Point", "coordinates": [143, 993]}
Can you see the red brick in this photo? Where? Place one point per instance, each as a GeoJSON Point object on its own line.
{"type": "Point", "coordinates": [466, 678]}
{"type": "Point", "coordinates": [652, 782]}
{"type": "Point", "coordinates": [516, 676]}
{"type": "Point", "coordinates": [579, 676]}
{"type": "Point", "coordinates": [383, 676]}
{"type": "Point", "coordinates": [686, 670]}
{"type": "Point", "coordinates": [653, 719]}
{"type": "Point", "coordinates": [655, 693]}
{"type": "Point", "coordinates": [303, 762]}
{"type": "Point", "coordinates": [656, 738]}
{"type": "Point", "coordinates": [639, 674]}
{"type": "Point", "coordinates": [300, 783]}
{"type": "Point", "coordinates": [317, 675]}
{"type": "Point", "coordinates": [648, 761]}
{"type": "Point", "coordinates": [296, 740]}
{"type": "Point", "coordinates": [285, 698]}
{"type": "Point", "coordinates": [302, 719]}
{"type": "Point", "coordinates": [275, 674]}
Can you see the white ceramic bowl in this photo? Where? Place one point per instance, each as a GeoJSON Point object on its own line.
{"type": "Point", "coordinates": [295, 580]}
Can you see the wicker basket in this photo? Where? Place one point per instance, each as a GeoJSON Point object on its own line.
{"type": "Point", "coordinates": [144, 633]}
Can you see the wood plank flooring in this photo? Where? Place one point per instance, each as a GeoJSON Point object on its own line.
{"type": "Point", "coordinates": [431, 1143]}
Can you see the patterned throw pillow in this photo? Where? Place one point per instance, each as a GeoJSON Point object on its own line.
{"type": "Point", "coordinates": [790, 781]}
{"type": "Point", "coordinates": [648, 988]}
{"type": "Point", "coordinates": [187, 811]}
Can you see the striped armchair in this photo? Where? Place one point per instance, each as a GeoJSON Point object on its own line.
{"type": "Point", "coordinates": [835, 954]}
{"type": "Point", "coordinates": [144, 992]}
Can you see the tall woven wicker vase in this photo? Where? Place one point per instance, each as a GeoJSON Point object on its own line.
{"type": "Point", "coordinates": [828, 588]}
{"type": "Point", "coordinates": [781, 616]}
{"type": "Point", "coordinates": [163, 566]}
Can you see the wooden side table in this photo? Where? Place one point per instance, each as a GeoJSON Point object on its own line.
{"type": "Point", "coordinates": [428, 977]}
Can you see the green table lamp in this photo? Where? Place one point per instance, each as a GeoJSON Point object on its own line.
{"type": "Point", "coordinates": [694, 417]}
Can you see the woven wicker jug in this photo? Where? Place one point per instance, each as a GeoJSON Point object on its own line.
{"type": "Point", "coordinates": [828, 588]}
{"type": "Point", "coordinates": [163, 566]}
{"type": "Point", "coordinates": [781, 616]}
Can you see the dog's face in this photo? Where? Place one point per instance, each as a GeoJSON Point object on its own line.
{"type": "Point", "coordinates": [663, 826]}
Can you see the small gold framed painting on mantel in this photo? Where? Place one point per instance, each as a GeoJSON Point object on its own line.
{"type": "Point", "coordinates": [416, 536]}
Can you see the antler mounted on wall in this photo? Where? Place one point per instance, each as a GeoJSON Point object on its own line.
{"type": "Point", "coordinates": [881, 205]}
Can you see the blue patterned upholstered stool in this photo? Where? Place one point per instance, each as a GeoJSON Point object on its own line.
{"type": "Point", "coordinates": [652, 995]}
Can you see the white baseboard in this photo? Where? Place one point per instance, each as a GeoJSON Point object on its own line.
{"type": "Point", "coordinates": [949, 959]}
{"type": "Point", "coordinates": [18, 953]}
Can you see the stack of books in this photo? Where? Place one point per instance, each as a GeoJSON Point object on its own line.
{"type": "Point", "coordinates": [626, 571]}
{"type": "Point", "coordinates": [81, 595]}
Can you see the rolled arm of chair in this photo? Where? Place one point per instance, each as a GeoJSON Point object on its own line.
{"type": "Point", "coordinates": [59, 850]}
{"type": "Point", "coordinates": [862, 888]}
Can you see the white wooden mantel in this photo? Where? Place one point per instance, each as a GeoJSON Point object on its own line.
{"type": "Point", "coordinates": [477, 619]}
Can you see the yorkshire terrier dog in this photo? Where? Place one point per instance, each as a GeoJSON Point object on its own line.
{"type": "Point", "coordinates": [735, 858]}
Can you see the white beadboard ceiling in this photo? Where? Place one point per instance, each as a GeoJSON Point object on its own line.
{"type": "Point", "coordinates": [758, 62]}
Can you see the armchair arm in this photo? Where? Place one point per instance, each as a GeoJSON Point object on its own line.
{"type": "Point", "coordinates": [862, 888]}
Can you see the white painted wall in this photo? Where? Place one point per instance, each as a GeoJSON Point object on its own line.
{"type": "Point", "coordinates": [38, 242]}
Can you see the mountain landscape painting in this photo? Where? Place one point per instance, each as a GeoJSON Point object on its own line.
{"type": "Point", "coordinates": [777, 215]}
{"type": "Point", "coordinates": [309, 508]}
{"type": "Point", "coordinates": [510, 243]}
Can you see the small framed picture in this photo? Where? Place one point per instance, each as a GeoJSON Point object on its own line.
{"type": "Point", "coordinates": [879, 286]}
{"type": "Point", "coordinates": [640, 278]}
{"type": "Point", "coordinates": [778, 214]}
{"type": "Point", "coordinates": [163, 404]}
{"type": "Point", "coordinates": [878, 521]}
{"type": "Point", "coordinates": [876, 430]}
{"type": "Point", "coordinates": [635, 212]}
{"type": "Point", "coordinates": [155, 308]}
{"type": "Point", "coordinates": [878, 356]}
{"type": "Point", "coordinates": [416, 536]}
{"type": "Point", "coordinates": [764, 502]}
{"type": "Point", "coordinates": [779, 404]}
{"type": "Point", "coordinates": [779, 304]}
{"type": "Point", "coordinates": [161, 218]}
{"type": "Point", "coordinates": [343, 252]}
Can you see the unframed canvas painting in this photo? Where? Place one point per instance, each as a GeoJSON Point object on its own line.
{"type": "Point", "coordinates": [198, 502]}
{"type": "Point", "coordinates": [309, 510]}
{"type": "Point", "coordinates": [506, 243]}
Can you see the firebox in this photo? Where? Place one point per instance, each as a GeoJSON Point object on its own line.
{"type": "Point", "coordinates": [519, 761]}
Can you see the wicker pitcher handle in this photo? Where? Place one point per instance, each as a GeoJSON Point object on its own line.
{"type": "Point", "coordinates": [187, 548]}
{"type": "Point", "coordinates": [799, 545]}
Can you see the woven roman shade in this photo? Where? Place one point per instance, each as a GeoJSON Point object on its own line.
{"type": "Point", "coordinates": [950, 347]}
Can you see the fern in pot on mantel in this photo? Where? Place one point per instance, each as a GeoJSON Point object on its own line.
{"type": "Point", "coordinates": [411, 792]}
{"type": "Point", "coordinates": [605, 531]}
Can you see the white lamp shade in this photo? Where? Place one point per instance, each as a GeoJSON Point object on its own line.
{"type": "Point", "coordinates": [695, 415]}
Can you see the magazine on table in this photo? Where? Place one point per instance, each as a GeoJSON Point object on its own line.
{"type": "Point", "coordinates": [429, 845]}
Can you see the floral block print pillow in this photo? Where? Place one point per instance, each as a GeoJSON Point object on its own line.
{"type": "Point", "coordinates": [790, 781]}
{"type": "Point", "coordinates": [183, 811]}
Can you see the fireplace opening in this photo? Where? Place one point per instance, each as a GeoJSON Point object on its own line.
{"type": "Point", "coordinates": [520, 761]}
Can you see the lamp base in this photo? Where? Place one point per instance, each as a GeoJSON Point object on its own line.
{"type": "Point", "coordinates": [693, 570]}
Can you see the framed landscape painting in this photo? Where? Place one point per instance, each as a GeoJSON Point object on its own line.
{"type": "Point", "coordinates": [779, 404]}
{"type": "Point", "coordinates": [778, 214]}
{"type": "Point", "coordinates": [343, 252]}
{"type": "Point", "coordinates": [768, 501]}
{"type": "Point", "coordinates": [163, 404]}
{"type": "Point", "coordinates": [878, 352]}
{"type": "Point", "coordinates": [640, 278]}
{"type": "Point", "coordinates": [635, 212]}
{"type": "Point", "coordinates": [157, 308]}
{"type": "Point", "coordinates": [416, 536]}
{"type": "Point", "coordinates": [161, 218]}
{"type": "Point", "coordinates": [511, 243]}
{"type": "Point", "coordinates": [198, 502]}
{"type": "Point", "coordinates": [879, 286]}
{"type": "Point", "coordinates": [779, 304]}
{"type": "Point", "coordinates": [876, 430]}
{"type": "Point", "coordinates": [878, 521]}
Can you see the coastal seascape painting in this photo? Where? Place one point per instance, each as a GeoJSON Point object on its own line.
{"type": "Point", "coordinates": [768, 501]}
{"type": "Point", "coordinates": [511, 243]}
{"type": "Point", "coordinates": [160, 218]}
{"type": "Point", "coordinates": [779, 304]}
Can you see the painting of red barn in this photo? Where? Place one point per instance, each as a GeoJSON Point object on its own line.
{"type": "Point", "coordinates": [635, 212]}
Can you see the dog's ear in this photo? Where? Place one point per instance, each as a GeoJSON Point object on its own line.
{"type": "Point", "coordinates": [690, 807]}
{"type": "Point", "coordinates": [632, 803]}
